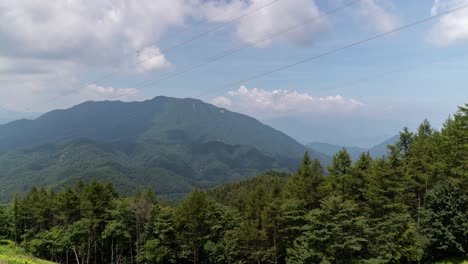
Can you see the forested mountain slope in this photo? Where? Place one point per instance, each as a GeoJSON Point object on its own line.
{"type": "Point", "coordinates": [408, 207]}
{"type": "Point", "coordinates": [169, 144]}
{"type": "Point", "coordinates": [162, 118]}
{"type": "Point", "coordinates": [169, 169]}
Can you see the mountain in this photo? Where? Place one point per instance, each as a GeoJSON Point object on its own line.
{"type": "Point", "coordinates": [166, 143]}
{"type": "Point", "coordinates": [10, 115]}
{"type": "Point", "coordinates": [376, 151]}
{"type": "Point", "coordinates": [331, 149]}
{"type": "Point", "coordinates": [381, 149]}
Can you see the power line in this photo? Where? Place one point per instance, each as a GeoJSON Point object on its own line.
{"type": "Point", "coordinates": [253, 77]}
{"type": "Point", "coordinates": [163, 51]}
{"type": "Point", "coordinates": [160, 52]}
{"type": "Point", "coordinates": [247, 45]}
{"type": "Point", "coordinates": [392, 71]}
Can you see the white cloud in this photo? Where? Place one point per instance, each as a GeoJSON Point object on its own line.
{"type": "Point", "coordinates": [264, 103]}
{"type": "Point", "coordinates": [45, 47]}
{"type": "Point", "coordinates": [86, 31]}
{"type": "Point", "coordinates": [269, 20]}
{"type": "Point", "coordinates": [96, 92]}
{"type": "Point", "coordinates": [450, 28]}
{"type": "Point", "coordinates": [151, 58]}
{"type": "Point", "coordinates": [377, 15]}
{"type": "Point", "coordinates": [222, 102]}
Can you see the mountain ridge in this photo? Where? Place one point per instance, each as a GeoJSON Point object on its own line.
{"type": "Point", "coordinates": [375, 151]}
{"type": "Point", "coordinates": [169, 144]}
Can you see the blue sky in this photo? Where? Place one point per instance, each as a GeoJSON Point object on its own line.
{"type": "Point", "coordinates": [51, 55]}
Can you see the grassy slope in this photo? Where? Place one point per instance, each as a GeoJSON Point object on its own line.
{"type": "Point", "coordinates": [10, 254]}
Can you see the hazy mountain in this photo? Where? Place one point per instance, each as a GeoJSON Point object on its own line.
{"type": "Point", "coordinates": [9, 115]}
{"type": "Point", "coordinates": [375, 151]}
{"type": "Point", "coordinates": [341, 130]}
{"type": "Point", "coordinates": [169, 144]}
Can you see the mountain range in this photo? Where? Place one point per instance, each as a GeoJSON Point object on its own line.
{"type": "Point", "coordinates": [376, 151]}
{"type": "Point", "coordinates": [171, 145]}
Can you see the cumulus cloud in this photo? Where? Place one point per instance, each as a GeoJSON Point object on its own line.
{"type": "Point", "coordinates": [377, 14]}
{"type": "Point", "coordinates": [151, 58]}
{"type": "Point", "coordinates": [269, 20]}
{"type": "Point", "coordinates": [222, 102]}
{"type": "Point", "coordinates": [96, 92]}
{"type": "Point", "coordinates": [264, 103]}
{"type": "Point", "coordinates": [87, 31]}
{"type": "Point", "coordinates": [44, 48]}
{"type": "Point", "coordinates": [451, 28]}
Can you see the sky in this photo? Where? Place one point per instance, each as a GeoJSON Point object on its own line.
{"type": "Point", "coordinates": [59, 53]}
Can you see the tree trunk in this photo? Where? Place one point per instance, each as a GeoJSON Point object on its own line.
{"type": "Point", "coordinates": [76, 256]}
{"type": "Point", "coordinates": [112, 251]}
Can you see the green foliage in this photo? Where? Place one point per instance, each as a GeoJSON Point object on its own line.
{"type": "Point", "coordinates": [10, 254]}
{"type": "Point", "coordinates": [335, 233]}
{"type": "Point", "coordinates": [446, 221]}
{"type": "Point", "coordinates": [395, 239]}
{"type": "Point", "coordinates": [407, 207]}
{"type": "Point", "coordinates": [172, 145]}
{"type": "Point", "coordinates": [169, 168]}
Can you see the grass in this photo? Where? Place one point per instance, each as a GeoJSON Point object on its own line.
{"type": "Point", "coordinates": [11, 254]}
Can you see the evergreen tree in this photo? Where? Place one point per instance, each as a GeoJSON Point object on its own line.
{"type": "Point", "coordinates": [193, 223]}
{"type": "Point", "coordinates": [5, 222]}
{"type": "Point", "coordinates": [446, 221]}
{"type": "Point", "coordinates": [454, 146]}
{"type": "Point", "coordinates": [335, 233]}
{"type": "Point", "coordinates": [339, 171]}
{"type": "Point", "coordinates": [307, 185]}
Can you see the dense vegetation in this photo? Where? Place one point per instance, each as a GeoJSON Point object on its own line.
{"type": "Point", "coordinates": [171, 169]}
{"type": "Point", "coordinates": [11, 254]}
{"type": "Point", "coordinates": [171, 145]}
{"type": "Point", "coordinates": [409, 207]}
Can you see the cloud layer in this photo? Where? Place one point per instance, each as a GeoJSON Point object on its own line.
{"type": "Point", "coordinates": [378, 15]}
{"type": "Point", "coordinates": [269, 20]}
{"type": "Point", "coordinates": [264, 103]}
{"type": "Point", "coordinates": [451, 28]}
{"type": "Point", "coordinates": [86, 31]}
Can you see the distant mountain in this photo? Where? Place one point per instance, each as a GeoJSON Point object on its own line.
{"type": "Point", "coordinates": [330, 149]}
{"type": "Point", "coordinates": [9, 115]}
{"type": "Point", "coordinates": [378, 150]}
{"type": "Point", "coordinates": [169, 144]}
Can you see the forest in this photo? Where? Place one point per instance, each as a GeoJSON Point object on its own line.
{"type": "Point", "coordinates": [407, 207]}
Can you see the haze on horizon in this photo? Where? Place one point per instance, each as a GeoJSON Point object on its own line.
{"type": "Point", "coordinates": [61, 54]}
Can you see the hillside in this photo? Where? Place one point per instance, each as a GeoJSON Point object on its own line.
{"type": "Point", "coordinates": [10, 254]}
{"type": "Point", "coordinates": [366, 212]}
{"type": "Point", "coordinates": [375, 151]}
{"type": "Point", "coordinates": [170, 169]}
{"type": "Point", "coordinates": [171, 145]}
{"type": "Point", "coordinates": [162, 118]}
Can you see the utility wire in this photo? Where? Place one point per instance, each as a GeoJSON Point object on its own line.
{"type": "Point", "coordinates": [246, 45]}
{"type": "Point", "coordinates": [160, 52]}
{"type": "Point", "coordinates": [257, 76]}
{"type": "Point", "coordinates": [177, 45]}
{"type": "Point", "coordinates": [354, 82]}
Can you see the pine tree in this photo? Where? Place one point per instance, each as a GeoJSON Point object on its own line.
{"type": "Point", "coordinates": [446, 222]}
{"type": "Point", "coordinates": [193, 222]}
{"type": "Point", "coordinates": [339, 171]}
{"type": "Point", "coordinates": [454, 147]}
{"type": "Point", "coordinates": [307, 185]}
{"type": "Point", "coordinates": [335, 233]}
